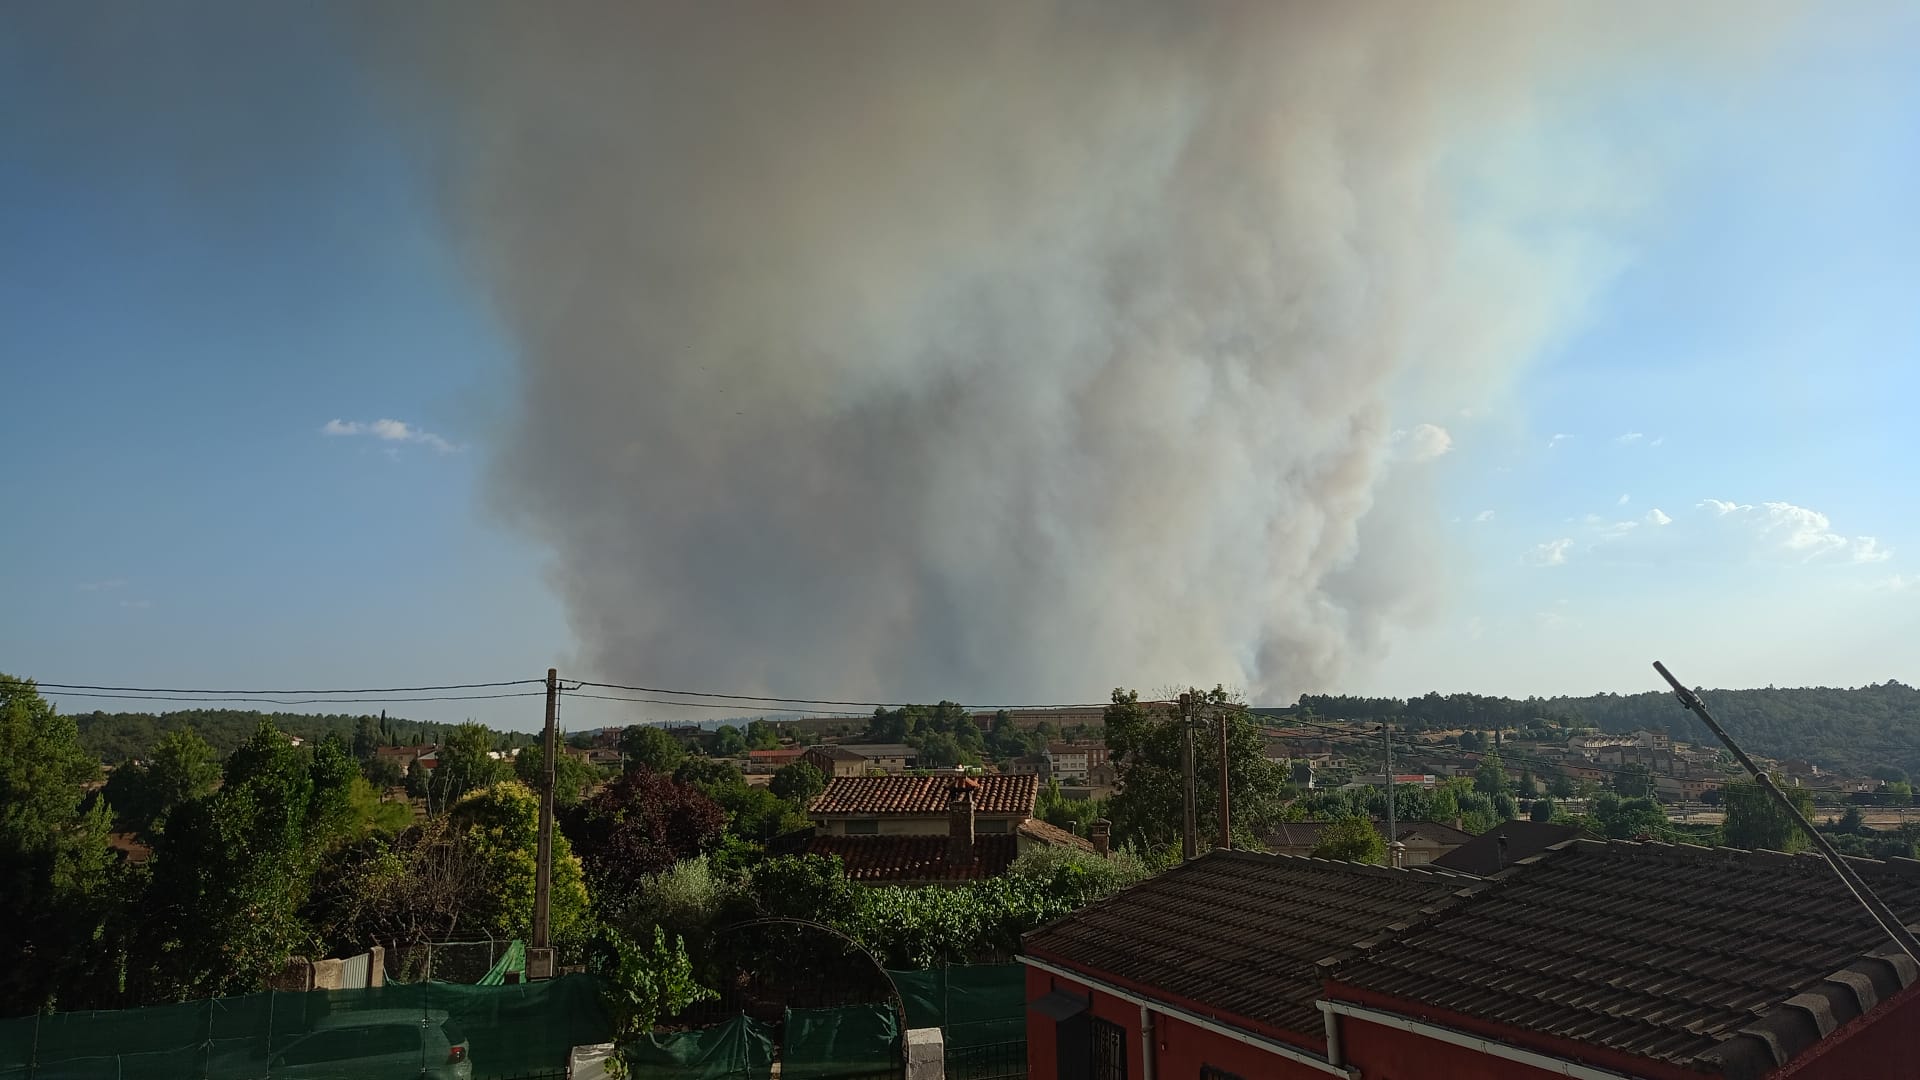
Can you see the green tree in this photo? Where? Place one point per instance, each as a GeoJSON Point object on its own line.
{"type": "Point", "coordinates": [366, 739]}
{"type": "Point", "coordinates": [1145, 746]}
{"type": "Point", "coordinates": [572, 777]}
{"type": "Point", "coordinates": [1490, 778]}
{"type": "Point", "coordinates": [382, 773]}
{"type": "Point", "coordinates": [56, 870]}
{"type": "Point", "coordinates": [1542, 810]}
{"type": "Point", "coordinates": [232, 868]}
{"type": "Point", "coordinates": [762, 735]}
{"type": "Point", "coordinates": [799, 783]}
{"type": "Point", "coordinates": [1627, 819]}
{"type": "Point", "coordinates": [499, 827]}
{"type": "Point", "coordinates": [1755, 820]}
{"type": "Point", "coordinates": [1634, 781]}
{"type": "Point", "coordinates": [1351, 839]}
{"type": "Point", "coordinates": [646, 746]}
{"type": "Point", "coordinates": [728, 742]}
{"type": "Point", "coordinates": [939, 750]}
{"type": "Point", "coordinates": [466, 763]}
{"type": "Point", "coordinates": [1560, 785]}
{"type": "Point", "coordinates": [181, 767]}
{"type": "Point", "coordinates": [644, 984]}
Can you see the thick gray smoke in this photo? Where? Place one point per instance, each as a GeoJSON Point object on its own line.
{"type": "Point", "coordinates": [1006, 351]}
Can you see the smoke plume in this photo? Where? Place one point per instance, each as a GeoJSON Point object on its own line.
{"type": "Point", "coordinates": [1008, 351]}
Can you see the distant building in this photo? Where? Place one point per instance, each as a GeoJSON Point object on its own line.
{"type": "Point", "coordinates": [835, 761]}
{"type": "Point", "coordinates": [860, 759]}
{"type": "Point", "coordinates": [930, 829]}
{"type": "Point", "coordinates": [767, 761]}
{"type": "Point", "coordinates": [1070, 761]}
{"type": "Point", "coordinates": [1027, 765]}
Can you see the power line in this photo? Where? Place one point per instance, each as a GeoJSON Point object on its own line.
{"type": "Point", "coordinates": [284, 701]}
{"type": "Point", "coordinates": [820, 701]}
{"type": "Point", "coordinates": [714, 705]}
{"type": "Point", "coordinates": [356, 690]}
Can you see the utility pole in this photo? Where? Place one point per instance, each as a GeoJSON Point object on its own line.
{"type": "Point", "coordinates": [1189, 830]}
{"type": "Point", "coordinates": [1386, 737]}
{"type": "Point", "coordinates": [543, 856]}
{"type": "Point", "coordinates": [1882, 914]}
{"type": "Point", "coordinates": [1226, 829]}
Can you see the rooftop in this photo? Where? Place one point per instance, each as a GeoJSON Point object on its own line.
{"type": "Point", "coordinates": [1689, 955]}
{"type": "Point", "coordinates": [881, 859]}
{"type": "Point", "coordinates": [1483, 857]}
{"type": "Point", "coordinates": [1241, 933]}
{"type": "Point", "coordinates": [1047, 832]}
{"type": "Point", "coordinates": [995, 793]}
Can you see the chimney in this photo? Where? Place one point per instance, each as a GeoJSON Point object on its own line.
{"type": "Point", "coordinates": [1500, 843]}
{"type": "Point", "coordinates": [960, 821]}
{"type": "Point", "coordinates": [1100, 831]}
{"type": "Point", "coordinates": [1397, 854]}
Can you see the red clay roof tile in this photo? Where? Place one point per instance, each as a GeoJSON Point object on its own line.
{"type": "Point", "coordinates": [924, 795]}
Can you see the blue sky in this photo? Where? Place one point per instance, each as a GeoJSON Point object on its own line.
{"type": "Point", "coordinates": [183, 320]}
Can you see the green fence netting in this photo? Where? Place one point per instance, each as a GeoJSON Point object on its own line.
{"type": "Point", "coordinates": [973, 1006]}
{"type": "Point", "coordinates": [740, 1049]}
{"type": "Point", "coordinates": [499, 1032]}
{"type": "Point", "coordinates": [840, 1043]}
{"type": "Point", "coordinates": [513, 961]}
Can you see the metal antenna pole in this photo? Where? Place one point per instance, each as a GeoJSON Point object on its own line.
{"type": "Point", "coordinates": [543, 857]}
{"type": "Point", "coordinates": [1881, 913]}
{"type": "Point", "coordinates": [1226, 826]}
{"type": "Point", "coordinates": [1189, 827]}
{"type": "Point", "coordinates": [1393, 829]}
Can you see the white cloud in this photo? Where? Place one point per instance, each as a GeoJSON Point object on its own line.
{"type": "Point", "coordinates": [1658, 440]}
{"type": "Point", "coordinates": [1551, 553]}
{"type": "Point", "coordinates": [136, 603]}
{"type": "Point", "coordinates": [1655, 517]}
{"type": "Point", "coordinates": [1618, 529]}
{"type": "Point", "coordinates": [1558, 438]}
{"type": "Point", "coordinates": [1898, 583]}
{"type": "Point", "coordinates": [1623, 500]}
{"type": "Point", "coordinates": [1423, 442]}
{"type": "Point", "coordinates": [1483, 517]}
{"type": "Point", "coordinates": [1628, 438]}
{"type": "Point", "coordinates": [1797, 531]}
{"type": "Point", "coordinates": [388, 431]}
{"type": "Point", "coordinates": [102, 586]}
{"type": "Point", "coordinates": [1868, 549]}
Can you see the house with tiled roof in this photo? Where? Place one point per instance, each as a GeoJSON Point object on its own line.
{"type": "Point", "coordinates": [1601, 960]}
{"type": "Point", "coordinates": [930, 829]}
{"type": "Point", "coordinates": [1503, 845]}
{"type": "Point", "coordinates": [1212, 968]}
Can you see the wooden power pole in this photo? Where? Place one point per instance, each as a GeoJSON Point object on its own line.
{"type": "Point", "coordinates": [1190, 827]}
{"type": "Point", "coordinates": [1226, 825]}
{"type": "Point", "coordinates": [543, 855]}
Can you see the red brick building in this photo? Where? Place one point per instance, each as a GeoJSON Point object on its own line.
{"type": "Point", "coordinates": [1592, 959]}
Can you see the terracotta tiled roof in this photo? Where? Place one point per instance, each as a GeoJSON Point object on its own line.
{"type": "Point", "coordinates": [1482, 855]}
{"type": "Point", "coordinates": [1241, 932]}
{"type": "Point", "coordinates": [1047, 832]}
{"type": "Point", "coordinates": [878, 859]}
{"type": "Point", "coordinates": [776, 755]}
{"type": "Point", "coordinates": [1682, 954]}
{"type": "Point", "coordinates": [923, 795]}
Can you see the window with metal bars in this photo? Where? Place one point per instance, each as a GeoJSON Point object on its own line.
{"type": "Point", "coordinates": [1109, 1050]}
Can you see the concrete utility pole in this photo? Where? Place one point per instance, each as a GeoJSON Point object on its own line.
{"type": "Point", "coordinates": [543, 856]}
{"type": "Point", "coordinates": [1190, 829]}
{"type": "Point", "coordinates": [1226, 827]}
{"type": "Point", "coordinates": [1386, 737]}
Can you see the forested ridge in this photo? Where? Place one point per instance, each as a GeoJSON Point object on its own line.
{"type": "Point", "coordinates": [1846, 729]}
{"type": "Point", "coordinates": [117, 737]}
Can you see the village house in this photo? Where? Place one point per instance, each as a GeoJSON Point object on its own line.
{"type": "Point", "coordinates": [772, 761]}
{"type": "Point", "coordinates": [930, 829]}
{"type": "Point", "coordinates": [1602, 960]}
{"type": "Point", "coordinates": [863, 759]}
{"type": "Point", "coordinates": [1070, 761]}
